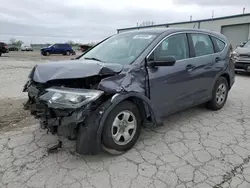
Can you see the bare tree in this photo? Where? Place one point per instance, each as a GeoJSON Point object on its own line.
{"type": "Point", "coordinates": [71, 43]}
{"type": "Point", "coordinates": [15, 42]}
{"type": "Point", "coordinates": [12, 41]}
{"type": "Point", "coordinates": [146, 23]}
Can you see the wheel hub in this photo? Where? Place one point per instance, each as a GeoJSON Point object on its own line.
{"type": "Point", "coordinates": [124, 127]}
{"type": "Point", "coordinates": [221, 94]}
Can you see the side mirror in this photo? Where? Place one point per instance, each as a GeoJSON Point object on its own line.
{"type": "Point", "coordinates": [163, 62]}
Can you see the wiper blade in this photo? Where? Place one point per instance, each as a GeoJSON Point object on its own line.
{"type": "Point", "coordinates": [93, 58]}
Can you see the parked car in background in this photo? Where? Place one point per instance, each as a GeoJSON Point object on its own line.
{"type": "Point", "coordinates": [105, 96]}
{"type": "Point", "coordinates": [3, 48]}
{"type": "Point", "coordinates": [242, 57]}
{"type": "Point", "coordinates": [13, 48]}
{"type": "Point", "coordinates": [58, 48]}
{"type": "Point", "coordinates": [84, 48]}
{"type": "Point", "coordinates": [26, 48]}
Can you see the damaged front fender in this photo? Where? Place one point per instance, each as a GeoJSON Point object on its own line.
{"type": "Point", "coordinates": [89, 137]}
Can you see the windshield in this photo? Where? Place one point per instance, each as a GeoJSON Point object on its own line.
{"type": "Point", "coordinates": [122, 48]}
{"type": "Point", "coordinates": [247, 45]}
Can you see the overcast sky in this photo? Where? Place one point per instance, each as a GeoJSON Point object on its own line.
{"type": "Point", "coordinates": [42, 21]}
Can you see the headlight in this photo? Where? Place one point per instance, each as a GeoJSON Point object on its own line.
{"type": "Point", "coordinates": [69, 97]}
{"type": "Point", "coordinates": [235, 54]}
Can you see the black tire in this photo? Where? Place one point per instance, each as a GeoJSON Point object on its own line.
{"type": "Point", "coordinates": [67, 53]}
{"type": "Point", "coordinates": [108, 142]}
{"type": "Point", "coordinates": [47, 53]}
{"type": "Point", "coordinates": [214, 104]}
{"type": "Point", "coordinates": [0, 54]}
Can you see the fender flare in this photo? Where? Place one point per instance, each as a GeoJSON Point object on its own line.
{"type": "Point", "coordinates": [118, 98]}
{"type": "Point", "coordinates": [221, 75]}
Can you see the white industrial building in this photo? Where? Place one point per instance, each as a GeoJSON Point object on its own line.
{"type": "Point", "coordinates": [236, 27]}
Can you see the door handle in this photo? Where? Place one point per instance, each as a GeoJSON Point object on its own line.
{"type": "Point", "coordinates": [217, 59]}
{"type": "Point", "coordinates": [190, 67]}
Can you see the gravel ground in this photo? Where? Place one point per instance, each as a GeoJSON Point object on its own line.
{"type": "Point", "coordinates": [196, 148]}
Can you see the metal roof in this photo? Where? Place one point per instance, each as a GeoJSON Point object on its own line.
{"type": "Point", "coordinates": [185, 22]}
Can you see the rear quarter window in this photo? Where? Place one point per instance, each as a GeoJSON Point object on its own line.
{"type": "Point", "coordinates": [218, 44]}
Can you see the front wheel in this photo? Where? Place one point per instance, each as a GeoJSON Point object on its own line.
{"type": "Point", "coordinates": [121, 128]}
{"type": "Point", "coordinates": [47, 53]}
{"type": "Point", "coordinates": [219, 96]}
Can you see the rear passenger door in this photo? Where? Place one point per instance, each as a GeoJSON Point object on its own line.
{"type": "Point", "coordinates": [204, 61]}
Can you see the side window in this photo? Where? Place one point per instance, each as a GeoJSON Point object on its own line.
{"type": "Point", "coordinates": [176, 45]}
{"type": "Point", "coordinates": [202, 44]}
{"type": "Point", "coordinates": [218, 44]}
{"type": "Point", "coordinates": [55, 45]}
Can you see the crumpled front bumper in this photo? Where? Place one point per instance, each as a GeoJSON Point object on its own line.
{"type": "Point", "coordinates": [76, 124]}
{"type": "Point", "coordinates": [62, 122]}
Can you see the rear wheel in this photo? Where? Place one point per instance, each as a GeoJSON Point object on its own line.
{"type": "Point", "coordinates": [68, 53]}
{"type": "Point", "coordinates": [0, 54]}
{"type": "Point", "coordinates": [220, 93]}
{"type": "Point", "coordinates": [121, 128]}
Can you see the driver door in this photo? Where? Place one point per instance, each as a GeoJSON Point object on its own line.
{"type": "Point", "coordinates": [171, 86]}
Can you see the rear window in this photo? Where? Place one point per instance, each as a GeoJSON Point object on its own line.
{"type": "Point", "coordinates": [218, 44]}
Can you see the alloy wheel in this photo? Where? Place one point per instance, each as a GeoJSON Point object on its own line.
{"type": "Point", "coordinates": [221, 93]}
{"type": "Point", "coordinates": [124, 127]}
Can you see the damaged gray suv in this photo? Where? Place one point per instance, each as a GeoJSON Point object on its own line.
{"type": "Point", "coordinates": [104, 97]}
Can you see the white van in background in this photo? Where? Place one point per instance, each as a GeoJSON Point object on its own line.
{"type": "Point", "coordinates": [26, 47]}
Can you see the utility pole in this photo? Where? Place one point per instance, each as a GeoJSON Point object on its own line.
{"type": "Point", "coordinates": [244, 10]}
{"type": "Point", "coordinates": [213, 14]}
{"type": "Point", "coordinates": [190, 17]}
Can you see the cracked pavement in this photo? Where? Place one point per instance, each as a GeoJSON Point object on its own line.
{"type": "Point", "coordinates": [196, 148]}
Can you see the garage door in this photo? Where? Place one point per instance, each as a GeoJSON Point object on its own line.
{"type": "Point", "coordinates": [236, 34]}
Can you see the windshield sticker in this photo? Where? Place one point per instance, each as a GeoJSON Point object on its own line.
{"type": "Point", "coordinates": [143, 36]}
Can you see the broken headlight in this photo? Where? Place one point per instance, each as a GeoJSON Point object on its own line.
{"type": "Point", "coordinates": [57, 97]}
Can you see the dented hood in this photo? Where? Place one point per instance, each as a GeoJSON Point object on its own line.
{"type": "Point", "coordinates": [45, 72]}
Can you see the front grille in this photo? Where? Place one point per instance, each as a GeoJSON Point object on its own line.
{"type": "Point", "coordinates": [241, 65]}
{"type": "Point", "coordinates": [245, 55]}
